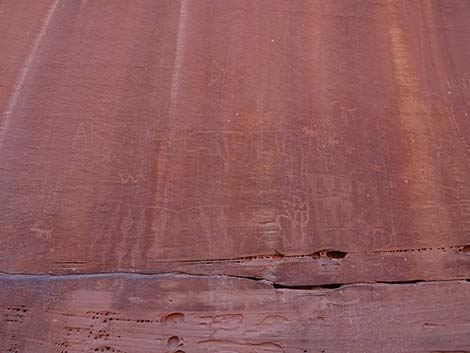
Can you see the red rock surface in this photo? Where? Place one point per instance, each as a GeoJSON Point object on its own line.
{"type": "Point", "coordinates": [293, 175]}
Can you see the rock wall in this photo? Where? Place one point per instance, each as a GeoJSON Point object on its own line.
{"type": "Point", "coordinates": [234, 176]}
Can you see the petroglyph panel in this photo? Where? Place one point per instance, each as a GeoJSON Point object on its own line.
{"type": "Point", "coordinates": [149, 139]}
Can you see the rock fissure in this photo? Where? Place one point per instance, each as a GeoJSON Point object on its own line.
{"type": "Point", "coordinates": [273, 284]}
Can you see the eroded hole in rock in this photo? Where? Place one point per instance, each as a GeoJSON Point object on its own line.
{"type": "Point", "coordinates": [466, 249]}
{"type": "Point", "coordinates": [336, 254]}
{"type": "Point", "coordinates": [173, 342]}
{"type": "Point", "coordinates": [173, 318]}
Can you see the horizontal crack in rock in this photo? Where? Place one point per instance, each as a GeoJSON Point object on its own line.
{"type": "Point", "coordinates": [273, 284]}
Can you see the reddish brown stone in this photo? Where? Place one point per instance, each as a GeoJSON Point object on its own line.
{"type": "Point", "coordinates": [299, 143]}
{"type": "Point", "coordinates": [179, 313]}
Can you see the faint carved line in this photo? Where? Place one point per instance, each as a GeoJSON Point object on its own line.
{"type": "Point", "coordinates": [41, 233]}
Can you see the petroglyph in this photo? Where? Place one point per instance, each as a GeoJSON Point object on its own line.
{"type": "Point", "coordinates": [40, 231]}
{"type": "Point", "coordinates": [87, 134]}
{"type": "Point", "coordinates": [127, 222]}
{"type": "Point", "coordinates": [218, 79]}
{"type": "Point", "coordinates": [235, 149]}
{"type": "Point", "coordinates": [459, 83]}
{"type": "Point", "coordinates": [133, 179]}
{"type": "Point", "coordinates": [294, 221]}
{"type": "Point", "coordinates": [325, 133]}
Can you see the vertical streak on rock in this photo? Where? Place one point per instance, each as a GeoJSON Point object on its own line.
{"type": "Point", "coordinates": [178, 63]}
{"type": "Point", "coordinates": [16, 91]}
{"type": "Point", "coordinates": [172, 111]}
{"type": "Point", "coordinates": [419, 173]}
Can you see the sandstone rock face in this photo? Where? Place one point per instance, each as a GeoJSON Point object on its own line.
{"type": "Point", "coordinates": [234, 176]}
